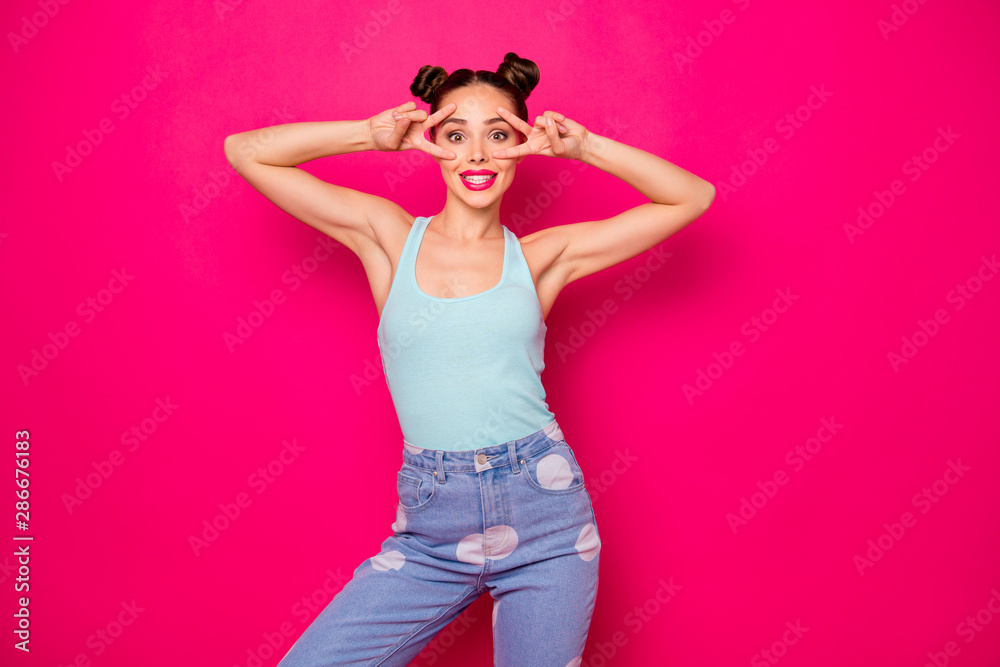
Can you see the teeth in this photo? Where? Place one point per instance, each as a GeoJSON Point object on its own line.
{"type": "Point", "coordinates": [478, 179]}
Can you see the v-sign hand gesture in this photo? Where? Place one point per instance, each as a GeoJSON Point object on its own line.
{"type": "Point", "coordinates": [403, 128]}
{"type": "Point", "coordinates": [553, 135]}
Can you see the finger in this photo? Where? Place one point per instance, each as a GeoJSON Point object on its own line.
{"type": "Point", "coordinates": [440, 114]}
{"type": "Point", "coordinates": [515, 121]}
{"type": "Point", "coordinates": [513, 152]}
{"type": "Point", "coordinates": [418, 115]}
{"type": "Point", "coordinates": [553, 135]}
{"type": "Point", "coordinates": [396, 136]}
{"type": "Point", "coordinates": [559, 118]}
{"type": "Point", "coordinates": [436, 150]}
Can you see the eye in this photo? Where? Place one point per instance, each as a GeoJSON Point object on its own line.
{"type": "Point", "coordinates": [452, 134]}
{"type": "Point", "coordinates": [503, 135]}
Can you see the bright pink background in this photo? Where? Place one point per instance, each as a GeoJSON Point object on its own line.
{"type": "Point", "coordinates": [618, 72]}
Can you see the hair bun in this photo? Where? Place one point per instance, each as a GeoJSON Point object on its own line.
{"type": "Point", "coordinates": [427, 81]}
{"type": "Point", "coordinates": [522, 73]}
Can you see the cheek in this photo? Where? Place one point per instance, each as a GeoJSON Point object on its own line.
{"type": "Point", "coordinates": [508, 178]}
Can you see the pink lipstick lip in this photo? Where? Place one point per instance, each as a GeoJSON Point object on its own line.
{"type": "Point", "coordinates": [478, 186]}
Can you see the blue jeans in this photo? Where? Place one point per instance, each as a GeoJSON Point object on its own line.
{"type": "Point", "coordinates": [514, 520]}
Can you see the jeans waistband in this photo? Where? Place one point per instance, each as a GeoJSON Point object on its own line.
{"type": "Point", "coordinates": [483, 458]}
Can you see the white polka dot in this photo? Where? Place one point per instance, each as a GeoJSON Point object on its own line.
{"type": "Point", "coordinates": [499, 541]}
{"type": "Point", "coordinates": [400, 524]}
{"type": "Point", "coordinates": [554, 472]}
{"type": "Point", "coordinates": [389, 560]}
{"type": "Point", "coordinates": [496, 605]}
{"type": "Point", "coordinates": [588, 544]}
{"type": "Point", "coordinates": [575, 662]}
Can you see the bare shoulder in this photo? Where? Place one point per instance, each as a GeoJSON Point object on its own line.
{"type": "Point", "coordinates": [379, 251]}
{"type": "Point", "coordinates": [541, 251]}
{"type": "Point", "coordinates": [388, 226]}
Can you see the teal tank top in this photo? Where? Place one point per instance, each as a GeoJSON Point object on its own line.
{"type": "Point", "coordinates": [464, 372]}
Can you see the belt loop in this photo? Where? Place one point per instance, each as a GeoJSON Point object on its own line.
{"type": "Point", "coordinates": [512, 450]}
{"type": "Point", "coordinates": [439, 455]}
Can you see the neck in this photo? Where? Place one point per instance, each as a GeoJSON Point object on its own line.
{"type": "Point", "coordinates": [459, 221]}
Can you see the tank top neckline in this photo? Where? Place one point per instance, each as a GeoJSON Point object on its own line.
{"type": "Point", "coordinates": [416, 252]}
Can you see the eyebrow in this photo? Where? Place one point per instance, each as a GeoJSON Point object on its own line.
{"type": "Point", "coordinates": [462, 121]}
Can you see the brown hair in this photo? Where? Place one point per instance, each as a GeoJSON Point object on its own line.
{"type": "Point", "coordinates": [515, 77]}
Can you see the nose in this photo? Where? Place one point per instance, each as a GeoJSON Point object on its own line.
{"type": "Point", "coordinates": [477, 151]}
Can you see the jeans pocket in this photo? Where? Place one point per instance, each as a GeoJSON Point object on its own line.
{"type": "Point", "coordinates": [415, 487]}
{"type": "Point", "coordinates": [554, 471]}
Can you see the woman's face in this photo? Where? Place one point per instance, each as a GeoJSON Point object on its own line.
{"type": "Point", "coordinates": [473, 132]}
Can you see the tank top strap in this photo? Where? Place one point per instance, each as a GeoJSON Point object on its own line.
{"type": "Point", "coordinates": [520, 272]}
{"type": "Point", "coordinates": [408, 257]}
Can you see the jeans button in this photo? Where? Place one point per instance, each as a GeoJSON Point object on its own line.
{"type": "Point", "coordinates": [481, 458]}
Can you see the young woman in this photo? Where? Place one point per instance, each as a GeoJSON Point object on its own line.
{"type": "Point", "coordinates": [491, 497]}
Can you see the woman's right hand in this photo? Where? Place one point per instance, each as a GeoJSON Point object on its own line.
{"type": "Point", "coordinates": [403, 127]}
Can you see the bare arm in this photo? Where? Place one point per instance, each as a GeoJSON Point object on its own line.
{"type": "Point", "coordinates": [267, 157]}
{"type": "Point", "coordinates": [294, 143]}
{"type": "Point", "coordinates": [677, 197]}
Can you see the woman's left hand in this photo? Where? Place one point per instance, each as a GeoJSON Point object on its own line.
{"type": "Point", "coordinates": [553, 135]}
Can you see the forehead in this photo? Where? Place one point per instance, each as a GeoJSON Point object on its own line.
{"type": "Point", "coordinates": [475, 101]}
